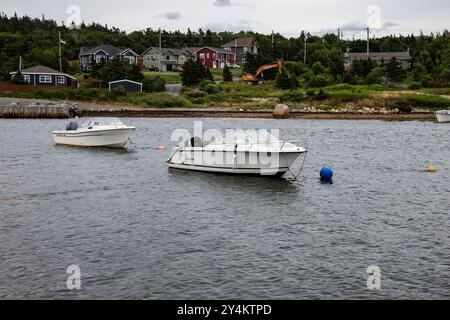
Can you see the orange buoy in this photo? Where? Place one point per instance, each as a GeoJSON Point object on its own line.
{"type": "Point", "coordinates": [432, 169]}
{"type": "Point", "coordinates": [162, 148]}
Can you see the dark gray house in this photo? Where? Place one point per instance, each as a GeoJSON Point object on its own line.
{"type": "Point", "coordinates": [128, 85]}
{"type": "Point", "coordinates": [44, 76]}
{"type": "Point", "coordinates": [403, 57]}
{"type": "Point", "coordinates": [240, 47]}
{"type": "Point", "coordinates": [104, 52]}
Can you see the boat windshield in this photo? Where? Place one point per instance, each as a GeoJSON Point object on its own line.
{"type": "Point", "coordinates": [102, 122]}
{"type": "Point", "coordinates": [246, 137]}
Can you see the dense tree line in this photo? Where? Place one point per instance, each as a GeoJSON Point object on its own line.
{"type": "Point", "coordinates": [36, 40]}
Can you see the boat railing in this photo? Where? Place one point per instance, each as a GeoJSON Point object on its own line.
{"type": "Point", "coordinates": [260, 143]}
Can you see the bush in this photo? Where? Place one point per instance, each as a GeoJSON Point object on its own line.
{"type": "Point", "coordinates": [293, 96]}
{"type": "Point", "coordinates": [227, 75]}
{"type": "Point", "coordinates": [18, 79]}
{"type": "Point", "coordinates": [321, 95]}
{"type": "Point", "coordinates": [209, 87]}
{"type": "Point", "coordinates": [119, 91]}
{"type": "Point", "coordinates": [154, 84]}
{"type": "Point", "coordinates": [310, 93]}
{"type": "Point", "coordinates": [415, 86]}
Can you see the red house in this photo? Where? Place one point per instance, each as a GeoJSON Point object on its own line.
{"type": "Point", "coordinates": [214, 58]}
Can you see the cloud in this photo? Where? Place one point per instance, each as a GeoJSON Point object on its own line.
{"type": "Point", "coordinates": [222, 3]}
{"type": "Point", "coordinates": [224, 26]}
{"type": "Point", "coordinates": [390, 24]}
{"type": "Point", "coordinates": [170, 15]}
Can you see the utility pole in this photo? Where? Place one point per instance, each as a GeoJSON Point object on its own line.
{"type": "Point", "coordinates": [20, 63]}
{"type": "Point", "coordinates": [273, 45]}
{"type": "Point", "coordinates": [60, 54]}
{"type": "Point", "coordinates": [368, 42]}
{"type": "Point", "coordinates": [160, 50]}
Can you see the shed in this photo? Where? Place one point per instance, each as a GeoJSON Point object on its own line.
{"type": "Point", "coordinates": [130, 86]}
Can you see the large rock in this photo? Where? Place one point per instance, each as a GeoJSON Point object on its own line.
{"type": "Point", "coordinates": [281, 111]}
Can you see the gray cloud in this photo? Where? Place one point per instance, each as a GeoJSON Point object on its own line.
{"type": "Point", "coordinates": [173, 15]}
{"type": "Point", "coordinates": [222, 3]}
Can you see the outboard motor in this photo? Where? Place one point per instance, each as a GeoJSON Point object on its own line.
{"type": "Point", "coordinates": [72, 125]}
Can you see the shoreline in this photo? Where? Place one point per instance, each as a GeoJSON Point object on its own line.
{"type": "Point", "coordinates": [254, 114]}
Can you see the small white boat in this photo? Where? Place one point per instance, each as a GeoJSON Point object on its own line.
{"type": "Point", "coordinates": [443, 116]}
{"type": "Point", "coordinates": [95, 132]}
{"type": "Point", "coordinates": [258, 154]}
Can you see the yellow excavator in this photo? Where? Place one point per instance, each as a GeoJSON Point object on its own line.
{"type": "Point", "coordinates": [255, 79]}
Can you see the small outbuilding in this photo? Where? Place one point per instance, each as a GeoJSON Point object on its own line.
{"type": "Point", "coordinates": [129, 86]}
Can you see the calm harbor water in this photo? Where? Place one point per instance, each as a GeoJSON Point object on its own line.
{"type": "Point", "coordinates": [139, 230]}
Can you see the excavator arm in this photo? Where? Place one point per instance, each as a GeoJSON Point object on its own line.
{"type": "Point", "coordinates": [253, 78]}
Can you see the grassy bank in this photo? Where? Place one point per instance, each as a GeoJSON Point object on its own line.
{"type": "Point", "coordinates": [238, 95]}
{"type": "Point", "coordinates": [174, 77]}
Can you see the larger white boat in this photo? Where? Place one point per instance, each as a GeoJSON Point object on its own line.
{"type": "Point", "coordinates": [258, 154]}
{"type": "Point", "coordinates": [95, 132]}
{"type": "Point", "coordinates": [443, 116]}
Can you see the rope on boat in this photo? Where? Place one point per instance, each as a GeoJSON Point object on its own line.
{"type": "Point", "coordinates": [301, 168]}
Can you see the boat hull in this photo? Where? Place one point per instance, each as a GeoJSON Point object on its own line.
{"type": "Point", "coordinates": [443, 117]}
{"type": "Point", "coordinates": [241, 163]}
{"type": "Point", "coordinates": [113, 138]}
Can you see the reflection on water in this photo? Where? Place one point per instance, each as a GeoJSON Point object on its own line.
{"type": "Point", "coordinates": [140, 230]}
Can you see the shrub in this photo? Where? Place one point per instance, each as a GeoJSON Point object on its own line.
{"type": "Point", "coordinates": [415, 86]}
{"type": "Point", "coordinates": [18, 79]}
{"type": "Point", "coordinates": [227, 75]}
{"type": "Point", "coordinates": [119, 91]}
{"type": "Point", "coordinates": [209, 87]}
{"type": "Point", "coordinates": [321, 95]}
{"type": "Point", "coordinates": [293, 95]}
{"type": "Point", "coordinates": [154, 84]}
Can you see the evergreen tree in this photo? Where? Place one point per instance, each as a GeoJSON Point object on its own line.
{"type": "Point", "coordinates": [227, 75]}
{"type": "Point", "coordinates": [394, 71]}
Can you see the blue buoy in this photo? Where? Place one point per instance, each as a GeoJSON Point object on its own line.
{"type": "Point", "coordinates": [326, 175]}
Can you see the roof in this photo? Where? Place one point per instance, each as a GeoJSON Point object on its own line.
{"type": "Point", "coordinates": [107, 48]}
{"type": "Point", "coordinates": [217, 50]}
{"type": "Point", "coordinates": [42, 70]}
{"type": "Point", "coordinates": [173, 51]}
{"type": "Point", "coordinates": [126, 80]}
{"type": "Point", "coordinates": [380, 55]}
{"type": "Point", "coordinates": [240, 42]}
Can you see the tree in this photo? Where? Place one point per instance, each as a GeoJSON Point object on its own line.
{"type": "Point", "coordinates": [376, 76]}
{"type": "Point", "coordinates": [227, 75]}
{"type": "Point", "coordinates": [394, 70]}
{"type": "Point", "coordinates": [154, 84]}
{"type": "Point", "coordinates": [284, 81]}
{"type": "Point", "coordinates": [194, 72]}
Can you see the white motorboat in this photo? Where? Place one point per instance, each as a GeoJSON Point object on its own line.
{"type": "Point", "coordinates": [258, 154]}
{"type": "Point", "coordinates": [95, 132]}
{"type": "Point", "coordinates": [443, 116]}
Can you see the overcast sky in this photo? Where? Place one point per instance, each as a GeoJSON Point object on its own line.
{"type": "Point", "coordinates": [284, 16]}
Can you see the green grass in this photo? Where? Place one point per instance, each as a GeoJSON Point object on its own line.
{"type": "Point", "coordinates": [438, 91]}
{"type": "Point", "coordinates": [425, 101]}
{"type": "Point", "coordinates": [169, 77]}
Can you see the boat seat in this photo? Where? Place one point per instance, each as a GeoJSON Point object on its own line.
{"type": "Point", "coordinates": [72, 126]}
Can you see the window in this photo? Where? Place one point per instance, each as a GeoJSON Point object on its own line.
{"type": "Point", "coordinates": [27, 78]}
{"type": "Point", "coordinates": [207, 55]}
{"type": "Point", "coordinates": [168, 58]}
{"type": "Point", "coordinates": [61, 79]}
{"type": "Point", "coordinates": [202, 56]}
{"type": "Point", "coordinates": [45, 79]}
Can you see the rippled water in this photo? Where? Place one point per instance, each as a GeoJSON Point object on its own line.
{"type": "Point", "coordinates": [138, 230]}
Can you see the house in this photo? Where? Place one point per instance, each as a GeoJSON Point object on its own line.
{"type": "Point", "coordinates": [214, 58]}
{"type": "Point", "coordinates": [44, 76]}
{"type": "Point", "coordinates": [169, 59]}
{"type": "Point", "coordinates": [128, 85]}
{"type": "Point", "coordinates": [104, 52]}
{"type": "Point", "coordinates": [241, 46]}
{"type": "Point", "coordinates": [403, 57]}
